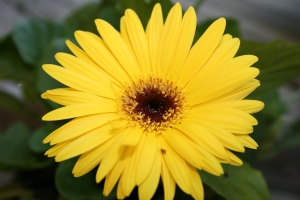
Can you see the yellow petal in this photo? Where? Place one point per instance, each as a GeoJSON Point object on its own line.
{"type": "Point", "coordinates": [222, 87]}
{"type": "Point", "coordinates": [125, 37]}
{"type": "Point", "coordinates": [229, 67]}
{"type": "Point", "coordinates": [78, 81]}
{"type": "Point", "coordinates": [219, 85]}
{"type": "Point", "coordinates": [238, 126]}
{"type": "Point", "coordinates": [225, 137]}
{"type": "Point", "coordinates": [79, 53]}
{"type": "Point", "coordinates": [84, 57]}
{"type": "Point", "coordinates": [249, 106]}
{"type": "Point", "coordinates": [89, 160]}
{"type": "Point", "coordinates": [148, 187]}
{"type": "Point", "coordinates": [197, 187]}
{"type": "Point", "coordinates": [210, 163]}
{"type": "Point", "coordinates": [86, 142]}
{"type": "Point", "coordinates": [117, 124]}
{"type": "Point", "coordinates": [221, 111]}
{"type": "Point", "coordinates": [67, 96]}
{"type": "Point", "coordinates": [127, 180]}
{"type": "Point", "coordinates": [184, 41]}
{"type": "Point", "coordinates": [220, 57]}
{"type": "Point", "coordinates": [53, 134]}
{"type": "Point", "coordinates": [222, 54]}
{"type": "Point", "coordinates": [146, 158]}
{"type": "Point", "coordinates": [154, 29]}
{"type": "Point", "coordinates": [133, 137]}
{"type": "Point", "coordinates": [202, 137]}
{"type": "Point", "coordinates": [184, 146]}
{"type": "Point", "coordinates": [229, 121]}
{"type": "Point", "coordinates": [169, 38]}
{"type": "Point", "coordinates": [81, 67]}
{"type": "Point", "coordinates": [94, 47]}
{"type": "Point", "coordinates": [80, 126]}
{"type": "Point", "coordinates": [225, 38]}
{"type": "Point", "coordinates": [247, 141]}
{"type": "Point", "coordinates": [118, 47]}
{"type": "Point", "coordinates": [234, 160]}
{"type": "Point", "coordinates": [168, 181]}
{"type": "Point", "coordinates": [46, 95]}
{"type": "Point", "coordinates": [120, 194]}
{"type": "Point", "coordinates": [113, 176]}
{"type": "Point", "coordinates": [239, 93]}
{"type": "Point", "coordinates": [138, 40]}
{"type": "Point", "coordinates": [78, 110]}
{"type": "Point", "coordinates": [111, 157]}
{"type": "Point", "coordinates": [202, 50]}
{"type": "Point", "coordinates": [68, 126]}
{"type": "Point", "coordinates": [177, 166]}
{"type": "Point", "coordinates": [56, 149]}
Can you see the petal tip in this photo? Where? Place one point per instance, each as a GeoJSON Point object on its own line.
{"type": "Point", "coordinates": [46, 67]}
{"type": "Point", "coordinates": [44, 95]}
{"type": "Point", "coordinates": [46, 117]}
{"type": "Point", "coordinates": [68, 42]}
{"type": "Point", "coordinates": [220, 22]}
{"type": "Point", "coordinates": [78, 34]}
{"type": "Point", "coordinates": [45, 141]}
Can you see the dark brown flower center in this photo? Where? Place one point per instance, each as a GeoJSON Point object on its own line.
{"type": "Point", "coordinates": [153, 105]}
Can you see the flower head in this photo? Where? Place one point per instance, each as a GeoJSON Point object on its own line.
{"type": "Point", "coordinates": [147, 104]}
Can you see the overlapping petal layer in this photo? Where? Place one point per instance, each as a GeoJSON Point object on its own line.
{"type": "Point", "coordinates": [205, 114]}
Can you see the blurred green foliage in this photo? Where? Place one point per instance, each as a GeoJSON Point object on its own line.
{"type": "Point", "coordinates": [79, 188]}
{"type": "Point", "coordinates": [236, 183]}
{"type": "Point", "coordinates": [34, 42]}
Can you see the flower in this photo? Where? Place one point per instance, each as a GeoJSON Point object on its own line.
{"type": "Point", "coordinates": [149, 104]}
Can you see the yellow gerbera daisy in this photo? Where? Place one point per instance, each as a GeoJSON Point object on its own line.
{"type": "Point", "coordinates": [148, 104]}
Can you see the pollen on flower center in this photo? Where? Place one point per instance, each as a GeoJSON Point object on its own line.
{"type": "Point", "coordinates": [154, 103]}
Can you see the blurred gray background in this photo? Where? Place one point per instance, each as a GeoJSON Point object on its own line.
{"type": "Point", "coordinates": [260, 20]}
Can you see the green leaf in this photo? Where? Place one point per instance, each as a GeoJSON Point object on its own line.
{"type": "Point", "coordinates": [45, 82]}
{"type": "Point", "coordinates": [35, 140]}
{"type": "Point", "coordinates": [15, 152]}
{"type": "Point", "coordinates": [274, 106]}
{"type": "Point", "coordinates": [278, 62]}
{"type": "Point", "coordinates": [83, 18]}
{"type": "Point", "coordinates": [84, 187]}
{"type": "Point", "coordinates": [238, 183]}
{"type": "Point", "coordinates": [11, 64]}
{"type": "Point", "coordinates": [10, 103]}
{"type": "Point", "coordinates": [13, 146]}
{"type": "Point", "coordinates": [33, 36]}
{"type": "Point", "coordinates": [289, 140]}
{"type": "Point", "coordinates": [14, 68]}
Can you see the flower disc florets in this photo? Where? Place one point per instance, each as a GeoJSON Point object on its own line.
{"type": "Point", "coordinates": [154, 103]}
